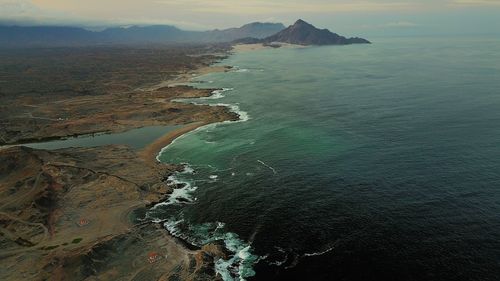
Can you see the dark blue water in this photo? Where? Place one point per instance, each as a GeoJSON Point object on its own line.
{"type": "Point", "coordinates": [373, 162]}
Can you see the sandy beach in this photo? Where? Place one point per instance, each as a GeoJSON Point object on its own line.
{"type": "Point", "coordinates": [256, 47]}
{"type": "Point", "coordinates": [150, 152]}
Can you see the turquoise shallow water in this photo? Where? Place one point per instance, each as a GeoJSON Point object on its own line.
{"type": "Point", "coordinates": [369, 162]}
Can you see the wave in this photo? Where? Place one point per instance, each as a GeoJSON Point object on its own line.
{"type": "Point", "coordinates": [238, 266]}
{"type": "Point", "coordinates": [181, 195]}
{"type": "Point", "coordinates": [241, 70]}
{"type": "Point", "coordinates": [217, 94]}
{"type": "Point", "coordinates": [265, 165]}
{"type": "Point", "coordinates": [319, 253]}
{"type": "Point", "coordinates": [290, 258]}
{"type": "Point", "coordinates": [187, 169]}
{"type": "Point", "coordinates": [280, 258]}
{"type": "Point", "coordinates": [243, 117]}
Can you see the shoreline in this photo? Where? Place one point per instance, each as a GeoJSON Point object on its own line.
{"type": "Point", "coordinates": [152, 153]}
{"type": "Point", "coordinates": [153, 150]}
{"type": "Point", "coordinates": [187, 77]}
{"type": "Point", "coordinates": [125, 182]}
{"type": "Point", "coordinates": [239, 48]}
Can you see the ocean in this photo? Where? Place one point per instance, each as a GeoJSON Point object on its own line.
{"type": "Point", "coordinates": [362, 162]}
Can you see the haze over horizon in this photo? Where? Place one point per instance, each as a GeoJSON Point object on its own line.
{"type": "Point", "coordinates": [360, 17]}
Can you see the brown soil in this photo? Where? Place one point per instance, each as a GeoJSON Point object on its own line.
{"type": "Point", "coordinates": [67, 214]}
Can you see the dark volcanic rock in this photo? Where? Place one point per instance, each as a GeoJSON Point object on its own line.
{"type": "Point", "coordinates": [303, 33]}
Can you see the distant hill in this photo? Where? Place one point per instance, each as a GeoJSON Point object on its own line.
{"type": "Point", "coordinates": [303, 33]}
{"type": "Point", "coordinates": [43, 35]}
{"type": "Point", "coordinates": [254, 30]}
{"type": "Point", "coordinates": [13, 36]}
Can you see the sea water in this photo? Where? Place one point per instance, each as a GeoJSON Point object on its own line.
{"type": "Point", "coordinates": [362, 162]}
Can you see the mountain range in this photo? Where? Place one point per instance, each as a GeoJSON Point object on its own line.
{"type": "Point", "coordinates": [13, 36]}
{"type": "Point", "coordinates": [301, 33]}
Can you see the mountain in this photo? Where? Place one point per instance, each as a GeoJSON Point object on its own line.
{"type": "Point", "coordinates": [14, 36]}
{"type": "Point", "coordinates": [145, 34]}
{"type": "Point", "coordinates": [303, 33]}
{"type": "Point", "coordinates": [166, 34]}
{"type": "Point", "coordinates": [257, 30]}
{"type": "Point", "coordinates": [42, 35]}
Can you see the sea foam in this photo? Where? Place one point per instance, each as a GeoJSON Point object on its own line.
{"type": "Point", "coordinates": [239, 265]}
{"type": "Point", "coordinates": [217, 94]}
{"type": "Point", "coordinates": [179, 195]}
{"type": "Point", "coordinates": [243, 117]}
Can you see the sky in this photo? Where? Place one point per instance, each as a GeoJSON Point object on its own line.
{"type": "Point", "coordinates": [355, 17]}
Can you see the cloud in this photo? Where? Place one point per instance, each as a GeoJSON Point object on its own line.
{"type": "Point", "coordinates": [476, 2]}
{"type": "Point", "coordinates": [25, 12]}
{"type": "Point", "coordinates": [19, 11]}
{"type": "Point", "coordinates": [284, 7]}
{"type": "Point", "coordinates": [10, 8]}
{"type": "Point", "coordinates": [399, 24]}
{"type": "Point", "coordinates": [207, 14]}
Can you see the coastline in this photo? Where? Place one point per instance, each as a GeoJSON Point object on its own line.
{"type": "Point", "coordinates": [259, 46]}
{"type": "Point", "coordinates": [139, 182]}
{"type": "Point", "coordinates": [187, 77]}
{"type": "Point", "coordinates": [111, 105]}
{"type": "Point", "coordinates": [235, 259]}
{"type": "Point", "coordinates": [152, 151]}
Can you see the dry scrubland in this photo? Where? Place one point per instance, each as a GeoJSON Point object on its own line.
{"type": "Point", "coordinates": [72, 213]}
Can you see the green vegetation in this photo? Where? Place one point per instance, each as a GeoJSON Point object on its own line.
{"type": "Point", "coordinates": [48, 248]}
{"type": "Point", "coordinates": [77, 240]}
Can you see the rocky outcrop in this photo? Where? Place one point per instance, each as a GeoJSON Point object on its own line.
{"type": "Point", "coordinates": [303, 33]}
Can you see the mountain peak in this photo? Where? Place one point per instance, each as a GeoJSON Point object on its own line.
{"type": "Point", "coordinates": [301, 22]}
{"type": "Point", "coordinates": [303, 33]}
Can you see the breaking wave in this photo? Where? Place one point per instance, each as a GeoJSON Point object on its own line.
{"type": "Point", "coordinates": [182, 190]}
{"type": "Point", "coordinates": [240, 262]}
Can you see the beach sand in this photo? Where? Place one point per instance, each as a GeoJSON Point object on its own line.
{"type": "Point", "coordinates": [256, 47]}
{"type": "Point", "coordinates": [248, 47]}
{"type": "Point", "coordinates": [150, 152]}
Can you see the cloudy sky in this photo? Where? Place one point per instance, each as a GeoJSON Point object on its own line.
{"type": "Point", "coordinates": [370, 17]}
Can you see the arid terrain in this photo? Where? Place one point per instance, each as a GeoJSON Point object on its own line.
{"type": "Point", "coordinates": [71, 214]}
{"type": "Point", "coordinates": [46, 94]}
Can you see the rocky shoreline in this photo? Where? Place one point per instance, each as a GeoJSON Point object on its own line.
{"type": "Point", "coordinates": [68, 213]}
